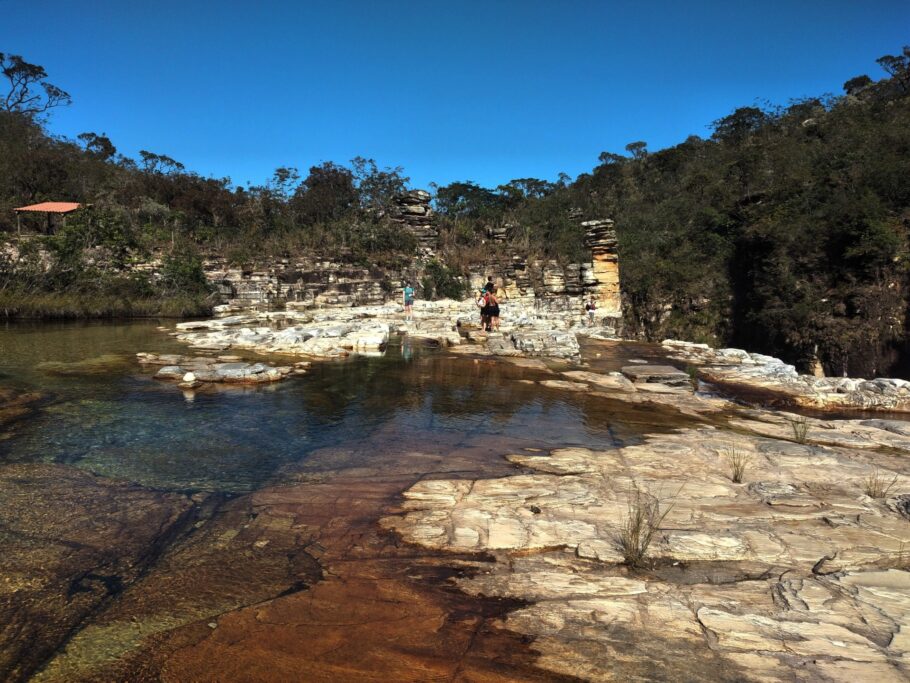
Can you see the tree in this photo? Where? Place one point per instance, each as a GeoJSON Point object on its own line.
{"type": "Point", "coordinates": [326, 194]}
{"type": "Point", "coordinates": [609, 158]}
{"type": "Point", "coordinates": [898, 67]}
{"type": "Point", "coordinates": [28, 93]}
{"type": "Point", "coordinates": [740, 124]}
{"type": "Point", "coordinates": [467, 199]}
{"type": "Point", "coordinates": [638, 150]}
{"type": "Point", "coordinates": [159, 163]}
{"type": "Point", "coordinates": [856, 84]}
{"type": "Point", "coordinates": [98, 146]}
{"type": "Point", "coordinates": [283, 181]}
{"type": "Point", "coordinates": [376, 187]}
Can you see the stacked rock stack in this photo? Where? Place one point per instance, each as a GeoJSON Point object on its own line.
{"type": "Point", "coordinates": [600, 238]}
{"type": "Point", "coordinates": [412, 209]}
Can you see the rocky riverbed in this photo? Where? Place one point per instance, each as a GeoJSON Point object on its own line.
{"type": "Point", "coordinates": [774, 378]}
{"type": "Point", "coordinates": [456, 515]}
{"type": "Point", "coordinates": [794, 569]}
{"type": "Point", "coordinates": [339, 332]}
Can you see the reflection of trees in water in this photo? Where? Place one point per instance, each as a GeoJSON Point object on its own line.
{"type": "Point", "coordinates": [458, 387]}
{"type": "Point", "coordinates": [451, 386]}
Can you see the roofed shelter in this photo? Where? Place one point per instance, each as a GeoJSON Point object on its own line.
{"type": "Point", "coordinates": [49, 209]}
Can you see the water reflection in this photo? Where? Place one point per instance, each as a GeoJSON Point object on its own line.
{"type": "Point", "coordinates": [109, 418]}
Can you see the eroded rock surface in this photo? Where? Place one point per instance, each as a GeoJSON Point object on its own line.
{"type": "Point", "coordinates": [754, 371]}
{"type": "Point", "coordinates": [795, 573]}
{"type": "Point", "coordinates": [338, 332]}
{"type": "Point", "coordinates": [192, 372]}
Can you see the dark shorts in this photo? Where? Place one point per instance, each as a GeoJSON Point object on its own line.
{"type": "Point", "coordinates": [409, 302]}
{"type": "Point", "coordinates": [493, 311]}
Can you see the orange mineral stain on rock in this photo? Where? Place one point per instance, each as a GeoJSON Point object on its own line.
{"type": "Point", "coordinates": [382, 610]}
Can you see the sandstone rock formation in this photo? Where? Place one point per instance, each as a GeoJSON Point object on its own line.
{"type": "Point", "coordinates": [412, 211]}
{"type": "Point", "coordinates": [736, 368]}
{"type": "Point", "coordinates": [794, 574]}
{"type": "Point", "coordinates": [600, 237]}
{"type": "Point", "coordinates": [336, 332]}
{"type": "Point", "coordinates": [192, 372]}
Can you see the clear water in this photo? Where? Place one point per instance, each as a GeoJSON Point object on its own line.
{"type": "Point", "coordinates": [104, 413]}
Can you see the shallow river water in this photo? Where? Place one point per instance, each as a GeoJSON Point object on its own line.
{"type": "Point", "coordinates": [141, 524]}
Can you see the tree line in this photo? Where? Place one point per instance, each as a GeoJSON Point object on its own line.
{"type": "Point", "coordinates": [784, 231]}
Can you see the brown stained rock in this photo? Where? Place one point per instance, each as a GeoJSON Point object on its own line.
{"type": "Point", "coordinates": [242, 598]}
{"type": "Point", "coordinates": [382, 609]}
{"type": "Point", "coordinates": [660, 374]}
{"type": "Point", "coordinates": [70, 541]}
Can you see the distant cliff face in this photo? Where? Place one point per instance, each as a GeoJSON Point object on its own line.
{"type": "Point", "coordinates": [546, 284]}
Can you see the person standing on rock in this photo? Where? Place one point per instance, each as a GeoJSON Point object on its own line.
{"type": "Point", "coordinates": [489, 287]}
{"type": "Point", "coordinates": [408, 301]}
{"type": "Point", "coordinates": [484, 307]}
{"type": "Point", "coordinates": [493, 310]}
{"type": "Point", "coordinates": [590, 309]}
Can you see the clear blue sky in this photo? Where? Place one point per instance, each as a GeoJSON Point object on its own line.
{"type": "Point", "coordinates": [451, 90]}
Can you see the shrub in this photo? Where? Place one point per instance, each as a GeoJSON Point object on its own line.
{"type": "Point", "coordinates": [182, 272]}
{"type": "Point", "coordinates": [443, 283]}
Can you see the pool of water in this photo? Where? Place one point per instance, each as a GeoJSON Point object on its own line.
{"type": "Point", "coordinates": [104, 413]}
{"type": "Point", "coordinates": [133, 510]}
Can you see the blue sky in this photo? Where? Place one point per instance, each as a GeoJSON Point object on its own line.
{"type": "Point", "coordinates": [472, 90]}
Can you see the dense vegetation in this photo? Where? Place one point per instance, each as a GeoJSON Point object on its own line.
{"type": "Point", "coordinates": [785, 232]}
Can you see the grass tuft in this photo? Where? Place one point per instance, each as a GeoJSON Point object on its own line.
{"type": "Point", "coordinates": [800, 427]}
{"type": "Point", "coordinates": [739, 462]}
{"type": "Point", "coordinates": [877, 484]}
{"type": "Point", "coordinates": [643, 521]}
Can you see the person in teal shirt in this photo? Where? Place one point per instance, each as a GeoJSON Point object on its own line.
{"type": "Point", "coordinates": [408, 300]}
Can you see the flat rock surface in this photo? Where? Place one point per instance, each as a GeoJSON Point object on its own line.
{"type": "Point", "coordinates": [664, 374]}
{"type": "Point", "coordinates": [808, 571]}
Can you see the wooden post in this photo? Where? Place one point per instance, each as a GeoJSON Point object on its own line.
{"type": "Point", "coordinates": [19, 224]}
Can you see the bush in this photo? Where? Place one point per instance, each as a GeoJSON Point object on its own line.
{"type": "Point", "coordinates": [182, 272]}
{"type": "Point", "coordinates": [440, 282]}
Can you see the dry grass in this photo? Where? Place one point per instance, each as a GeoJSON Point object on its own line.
{"type": "Point", "coordinates": [877, 484]}
{"type": "Point", "coordinates": [800, 427]}
{"type": "Point", "coordinates": [62, 306]}
{"type": "Point", "coordinates": [638, 529]}
{"type": "Point", "coordinates": [739, 462]}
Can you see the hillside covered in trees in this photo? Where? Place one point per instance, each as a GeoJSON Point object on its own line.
{"type": "Point", "coordinates": [785, 232]}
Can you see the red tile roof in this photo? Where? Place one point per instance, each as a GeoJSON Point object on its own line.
{"type": "Point", "coordinates": [51, 207]}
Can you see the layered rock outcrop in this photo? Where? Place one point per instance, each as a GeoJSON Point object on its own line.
{"type": "Point", "coordinates": [600, 238]}
{"type": "Point", "coordinates": [412, 211]}
{"type": "Point", "coordinates": [303, 283]}
{"type": "Point", "coordinates": [737, 368]}
{"type": "Point", "coordinates": [795, 573]}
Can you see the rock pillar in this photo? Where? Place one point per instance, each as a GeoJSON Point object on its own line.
{"type": "Point", "coordinates": [412, 210]}
{"type": "Point", "coordinates": [600, 238]}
